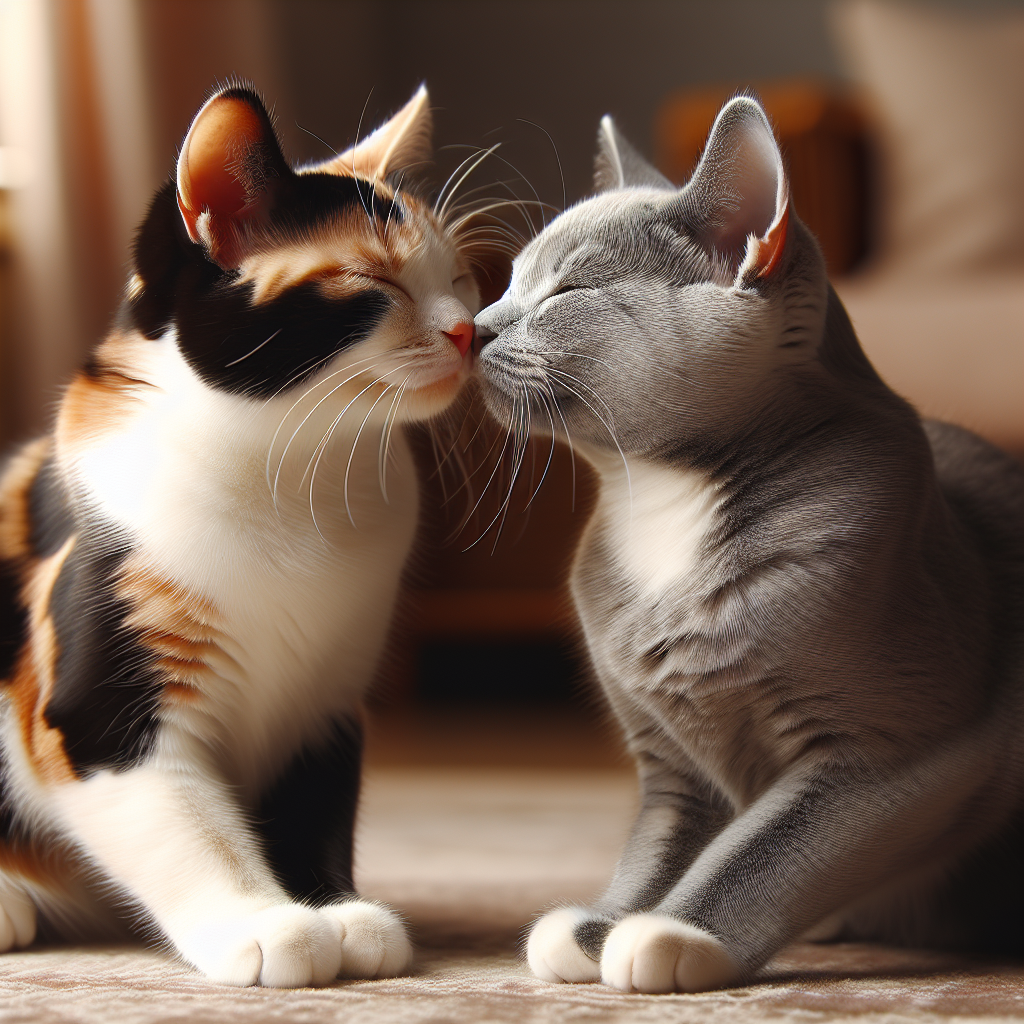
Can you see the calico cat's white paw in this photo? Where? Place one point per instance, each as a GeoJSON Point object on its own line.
{"type": "Point", "coordinates": [373, 940]}
{"type": "Point", "coordinates": [554, 954]}
{"type": "Point", "coordinates": [287, 946]}
{"type": "Point", "coordinates": [657, 953]}
{"type": "Point", "coordinates": [17, 918]}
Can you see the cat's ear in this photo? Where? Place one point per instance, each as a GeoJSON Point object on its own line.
{"type": "Point", "coordinates": [403, 141]}
{"type": "Point", "coordinates": [619, 165]}
{"type": "Point", "coordinates": [738, 195]}
{"type": "Point", "coordinates": [229, 169]}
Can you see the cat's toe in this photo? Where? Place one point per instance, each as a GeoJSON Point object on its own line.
{"type": "Point", "coordinates": [374, 943]}
{"type": "Point", "coordinates": [17, 918]}
{"type": "Point", "coordinates": [657, 953]}
{"type": "Point", "coordinates": [554, 950]}
{"type": "Point", "coordinates": [287, 946]}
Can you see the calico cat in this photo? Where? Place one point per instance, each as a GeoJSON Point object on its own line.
{"type": "Point", "coordinates": [805, 607]}
{"type": "Point", "coordinates": [200, 560]}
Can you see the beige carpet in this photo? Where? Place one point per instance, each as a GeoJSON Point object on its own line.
{"type": "Point", "coordinates": [470, 855]}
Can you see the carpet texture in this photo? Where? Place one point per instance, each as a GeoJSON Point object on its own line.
{"type": "Point", "coordinates": [470, 857]}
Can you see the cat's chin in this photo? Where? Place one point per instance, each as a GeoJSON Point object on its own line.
{"type": "Point", "coordinates": [429, 399]}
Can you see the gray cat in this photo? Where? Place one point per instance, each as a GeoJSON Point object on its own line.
{"type": "Point", "coordinates": [803, 604]}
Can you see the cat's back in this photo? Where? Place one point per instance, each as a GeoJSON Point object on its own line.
{"type": "Point", "coordinates": [984, 490]}
{"type": "Point", "coordinates": [983, 485]}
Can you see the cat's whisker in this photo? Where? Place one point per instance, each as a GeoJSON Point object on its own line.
{"type": "Point", "coordinates": [474, 155]}
{"type": "Point", "coordinates": [586, 387]}
{"type": "Point", "coordinates": [318, 452]}
{"type": "Point", "coordinates": [611, 434]}
{"type": "Point", "coordinates": [508, 434]}
{"type": "Point", "coordinates": [486, 456]}
{"type": "Point", "coordinates": [476, 163]}
{"type": "Point", "coordinates": [385, 436]}
{"type": "Point", "coordinates": [352, 455]}
{"type": "Point", "coordinates": [234, 362]}
{"type": "Point", "coordinates": [355, 147]}
{"type": "Point", "coordinates": [554, 149]}
{"type": "Point", "coordinates": [536, 195]}
{"type": "Point", "coordinates": [568, 440]}
{"type": "Point", "coordinates": [301, 398]}
{"type": "Point", "coordinates": [391, 208]}
{"type": "Point", "coordinates": [477, 154]}
{"type": "Point", "coordinates": [334, 424]}
{"type": "Point", "coordinates": [518, 453]}
{"type": "Point", "coordinates": [305, 419]}
{"type": "Point", "coordinates": [551, 450]}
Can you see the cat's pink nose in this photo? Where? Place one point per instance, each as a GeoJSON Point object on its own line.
{"type": "Point", "coordinates": [461, 336]}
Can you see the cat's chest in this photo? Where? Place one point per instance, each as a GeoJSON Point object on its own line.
{"type": "Point", "coordinates": [295, 586]}
{"type": "Point", "coordinates": [652, 524]}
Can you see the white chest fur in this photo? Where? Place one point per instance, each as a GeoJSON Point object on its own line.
{"type": "Point", "coordinates": [655, 519]}
{"type": "Point", "coordinates": [304, 606]}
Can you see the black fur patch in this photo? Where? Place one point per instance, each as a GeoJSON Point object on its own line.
{"type": "Point", "coordinates": [105, 693]}
{"type": "Point", "coordinates": [258, 350]}
{"type": "Point", "coordinates": [307, 817]}
{"type": "Point", "coordinates": [231, 343]}
{"type": "Point", "coordinates": [13, 618]}
{"type": "Point", "coordinates": [52, 520]}
{"type": "Point", "coordinates": [8, 824]}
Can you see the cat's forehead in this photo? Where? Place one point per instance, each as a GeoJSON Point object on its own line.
{"type": "Point", "coordinates": [381, 236]}
{"type": "Point", "coordinates": [620, 230]}
{"type": "Point", "coordinates": [596, 223]}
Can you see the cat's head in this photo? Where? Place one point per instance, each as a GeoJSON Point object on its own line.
{"type": "Point", "coordinates": [271, 275]}
{"type": "Point", "coordinates": [666, 317]}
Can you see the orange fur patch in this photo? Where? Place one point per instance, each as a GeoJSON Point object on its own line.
{"type": "Point", "coordinates": [48, 866]}
{"type": "Point", "coordinates": [180, 627]}
{"type": "Point", "coordinates": [31, 683]}
{"type": "Point", "coordinates": [102, 400]}
{"type": "Point", "coordinates": [15, 488]}
{"type": "Point", "coordinates": [347, 255]}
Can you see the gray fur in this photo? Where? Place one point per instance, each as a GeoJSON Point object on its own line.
{"type": "Point", "coordinates": [825, 702]}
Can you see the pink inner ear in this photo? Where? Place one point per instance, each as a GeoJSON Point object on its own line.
{"type": "Point", "coordinates": [208, 177]}
{"type": "Point", "coordinates": [769, 248]}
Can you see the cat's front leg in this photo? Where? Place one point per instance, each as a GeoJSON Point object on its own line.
{"type": "Point", "coordinates": [306, 820]}
{"type": "Point", "coordinates": [677, 818]}
{"type": "Point", "coordinates": [174, 841]}
{"type": "Point", "coordinates": [807, 847]}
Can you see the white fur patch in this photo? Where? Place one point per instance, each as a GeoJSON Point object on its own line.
{"type": "Point", "coordinates": [657, 520]}
{"type": "Point", "coordinates": [552, 952]}
{"type": "Point", "coordinates": [657, 953]}
{"type": "Point", "coordinates": [288, 946]}
{"type": "Point", "coordinates": [305, 605]}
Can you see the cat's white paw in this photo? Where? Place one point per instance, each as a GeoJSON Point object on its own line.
{"type": "Point", "coordinates": [17, 917]}
{"type": "Point", "coordinates": [287, 946]}
{"type": "Point", "coordinates": [657, 953]}
{"type": "Point", "coordinates": [373, 940]}
{"type": "Point", "coordinates": [552, 952]}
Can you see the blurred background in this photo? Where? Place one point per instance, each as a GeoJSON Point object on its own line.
{"type": "Point", "coordinates": [903, 129]}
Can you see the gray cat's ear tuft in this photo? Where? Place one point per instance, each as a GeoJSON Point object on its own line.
{"type": "Point", "coordinates": [619, 165]}
{"type": "Point", "coordinates": [739, 191]}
